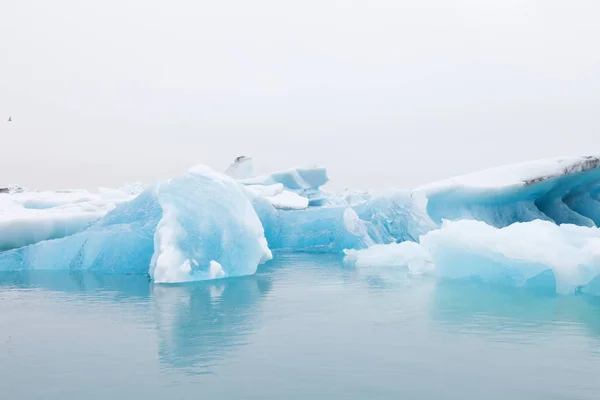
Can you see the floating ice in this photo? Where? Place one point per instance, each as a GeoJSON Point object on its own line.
{"type": "Point", "coordinates": [277, 196]}
{"type": "Point", "coordinates": [385, 218]}
{"type": "Point", "coordinates": [242, 168]}
{"type": "Point", "coordinates": [537, 254]}
{"type": "Point", "coordinates": [294, 178]}
{"type": "Point", "coordinates": [562, 190]}
{"type": "Point", "coordinates": [306, 182]}
{"type": "Point", "coordinates": [206, 225]}
{"type": "Point", "coordinates": [30, 217]}
{"type": "Point", "coordinates": [198, 226]}
{"type": "Point", "coordinates": [406, 254]}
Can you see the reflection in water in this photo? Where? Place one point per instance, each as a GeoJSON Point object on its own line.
{"type": "Point", "coordinates": [475, 307]}
{"type": "Point", "coordinates": [196, 323]}
{"type": "Point", "coordinates": [202, 322]}
{"type": "Point", "coordinates": [114, 287]}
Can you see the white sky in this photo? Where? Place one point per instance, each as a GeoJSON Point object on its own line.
{"type": "Point", "coordinates": [383, 93]}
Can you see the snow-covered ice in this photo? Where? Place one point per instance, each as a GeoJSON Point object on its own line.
{"type": "Point", "coordinates": [562, 190]}
{"type": "Point", "coordinates": [278, 196]}
{"type": "Point", "coordinates": [29, 217]}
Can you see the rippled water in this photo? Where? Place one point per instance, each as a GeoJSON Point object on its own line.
{"type": "Point", "coordinates": [302, 327]}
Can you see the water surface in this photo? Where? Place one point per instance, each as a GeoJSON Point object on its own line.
{"type": "Point", "coordinates": [302, 327]}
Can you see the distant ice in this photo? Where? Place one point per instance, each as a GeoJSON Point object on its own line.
{"type": "Point", "coordinates": [515, 175]}
{"type": "Point", "coordinates": [28, 217]}
{"type": "Point", "coordinates": [242, 168]}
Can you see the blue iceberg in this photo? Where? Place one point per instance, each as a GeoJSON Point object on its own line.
{"type": "Point", "coordinates": [530, 225]}
{"type": "Point", "coordinates": [198, 226]}
{"type": "Point", "coordinates": [560, 190]}
{"type": "Point", "coordinates": [385, 218]}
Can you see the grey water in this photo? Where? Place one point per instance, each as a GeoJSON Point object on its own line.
{"type": "Point", "coordinates": [303, 327]}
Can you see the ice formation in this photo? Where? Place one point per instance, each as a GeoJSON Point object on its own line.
{"type": "Point", "coordinates": [538, 254]}
{"type": "Point", "coordinates": [242, 168]}
{"type": "Point", "coordinates": [198, 226]}
{"type": "Point", "coordinates": [385, 218]}
{"type": "Point", "coordinates": [278, 196]}
{"type": "Point", "coordinates": [305, 182]}
{"type": "Point", "coordinates": [562, 190]}
{"type": "Point", "coordinates": [531, 225]}
{"type": "Point", "coordinates": [29, 217]}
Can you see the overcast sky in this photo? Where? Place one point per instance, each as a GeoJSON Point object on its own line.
{"type": "Point", "coordinates": [383, 93]}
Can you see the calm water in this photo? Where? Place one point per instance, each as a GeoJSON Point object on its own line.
{"type": "Point", "coordinates": [303, 327]}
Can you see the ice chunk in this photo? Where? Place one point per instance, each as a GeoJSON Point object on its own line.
{"type": "Point", "coordinates": [386, 218]}
{"type": "Point", "coordinates": [304, 182]}
{"type": "Point", "coordinates": [562, 190]}
{"type": "Point", "coordinates": [264, 190]}
{"type": "Point", "coordinates": [207, 219]}
{"type": "Point", "coordinates": [287, 200]}
{"type": "Point", "coordinates": [294, 178]}
{"type": "Point", "coordinates": [516, 175]}
{"type": "Point", "coordinates": [348, 198]}
{"type": "Point", "coordinates": [31, 217]}
{"type": "Point", "coordinates": [179, 230]}
{"type": "Point", "coordinates": [278, 197]}
{"type": "Point", "coordinates": [406, 254]}
{"type": "Point", "coordinates": [242, 168]}
{"type": "Point", "coordinates": [357, 227]}
{"type": "Point", "coordinates": [539, 254]}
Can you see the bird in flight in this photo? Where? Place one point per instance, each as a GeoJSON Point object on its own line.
{"type": "Point", "coordinates": [9, 119]}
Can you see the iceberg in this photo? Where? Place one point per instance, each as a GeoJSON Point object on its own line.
{"type": "Point", "coordinates": [304, 181]}
{"type": "Point", "coordinates": [29, 217]}
{"type": "Point", "coordinates": [278, 196]}
{"type": "Point", "coordinates": [195, 227]}
{"type": "Point", "coordinates": [536, 255]}
{"type": "Point", "coordinates": [387, 217]}
{"type": "Point", "coordinates": [528, 225]}
{"type": "Point", "coordinates": [531, 225]}
{"type": "Point", "coordinates": [560, 190]}
{"type": "Point", "coordinates": [241, 168]}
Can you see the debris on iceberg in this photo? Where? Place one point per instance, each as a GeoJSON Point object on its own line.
{"type": "Point", "coordinates": [538, 254]}
{"type": "Point", "coordinates": [560, 190]}
{"type": "Point", "coordinates": [198, 226]}
{"type": "Point", "coordinates": [242, 168]}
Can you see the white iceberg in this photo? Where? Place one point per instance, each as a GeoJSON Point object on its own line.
{"type": "Point", "coordinates": [538, 254]}
{"type": "Point", "coordinates": [561, 190]}
{"type": "Point", "coordinates": [28, 217]}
